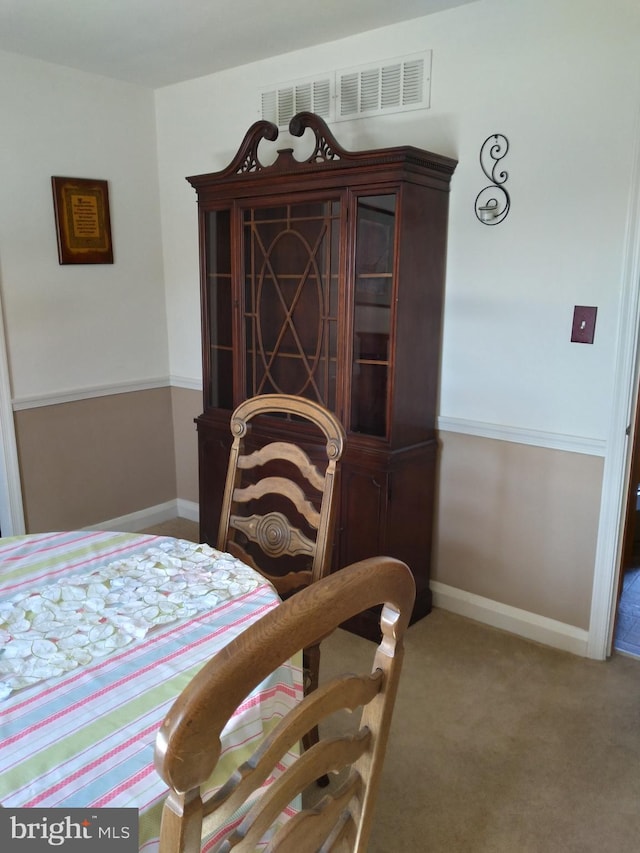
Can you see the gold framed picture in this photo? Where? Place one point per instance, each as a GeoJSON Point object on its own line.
{"type": "Point", "coordinates": [83, 223]}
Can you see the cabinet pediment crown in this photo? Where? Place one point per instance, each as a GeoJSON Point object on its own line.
{"type": "Point", "coordinates": [326, 153]}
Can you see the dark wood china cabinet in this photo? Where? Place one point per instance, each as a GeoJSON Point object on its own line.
{"type": "Point", "coordinates": [323, 276]}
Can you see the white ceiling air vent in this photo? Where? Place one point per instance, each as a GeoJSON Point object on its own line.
{"type": "Point", "coordinates": [280, 104]}
{"type": "Point", "coordinates": [392, 86]}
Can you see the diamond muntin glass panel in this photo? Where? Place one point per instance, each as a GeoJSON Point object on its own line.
{"type": "Point", "coordinates": [291, 287]}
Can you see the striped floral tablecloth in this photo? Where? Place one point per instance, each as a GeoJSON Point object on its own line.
{"type": "Point", "coordinates": [99, 633]}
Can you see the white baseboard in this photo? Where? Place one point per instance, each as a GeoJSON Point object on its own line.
{"type": "Point", "coordinates": [521, 622]}
{"type": "Point", "coordinates": [150, 516]}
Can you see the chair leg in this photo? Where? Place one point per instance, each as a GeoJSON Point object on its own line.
{"type": "Point", "coordinates": [311, 669]}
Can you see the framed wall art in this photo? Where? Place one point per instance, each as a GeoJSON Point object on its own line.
{"type": "Point", "coordinates": [83, 224]}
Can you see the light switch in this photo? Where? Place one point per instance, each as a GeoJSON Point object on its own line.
{"type": "Point", "coordinates": [584, 324]}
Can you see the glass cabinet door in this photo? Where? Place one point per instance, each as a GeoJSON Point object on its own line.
{"type": "Point", "coordinates": [218, 342]}
{"type": "Point", "coordinates": [290, 312]}
{"type": "Point", "coordinates": [373, 301]}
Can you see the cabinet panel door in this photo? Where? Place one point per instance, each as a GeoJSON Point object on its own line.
{"type": "Point", "coordinates": [410, 515]}
{"type": "Point", "coordinates": [363, 510]}
{"type": "Point", "coordinates": [214, 445]}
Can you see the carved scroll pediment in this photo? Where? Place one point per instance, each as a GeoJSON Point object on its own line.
{"type": "Point", "coordinates": [326, 149]}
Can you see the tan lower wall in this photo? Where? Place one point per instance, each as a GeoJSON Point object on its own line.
{"type": "Point", "coordinates": [517, 524]}
{"type": "Point", "coordinates": [187, 405]}
{"type": "Point", "coordinates": [92, 460]}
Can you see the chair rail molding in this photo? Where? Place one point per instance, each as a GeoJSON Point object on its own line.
{"type": "Point", "coordinates": [519, 435]}
{"type": "Point", "coordinates": [73, 395]}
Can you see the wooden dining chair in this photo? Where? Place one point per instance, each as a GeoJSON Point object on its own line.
{"type": "Point", "coordinates": [279, 506]}
{"type": "Point", "coordinates": [244, 809]}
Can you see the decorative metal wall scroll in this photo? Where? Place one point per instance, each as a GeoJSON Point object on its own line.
{"type": "Point", "coordinates": [493, 202]}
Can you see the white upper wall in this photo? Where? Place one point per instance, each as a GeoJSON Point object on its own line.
{"type": "Point", "coordinates": [561, 79]}
{"type": "Point", "coordinates": [78, 327]}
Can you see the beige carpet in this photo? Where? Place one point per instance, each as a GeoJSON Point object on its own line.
{"type": "Point", "coordinates": [500, 745]}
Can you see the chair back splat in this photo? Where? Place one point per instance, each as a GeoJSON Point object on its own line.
{"type": "Point", "coordinates": [245, 811]}
{"type": "Point", "coordinates": [278, 509]}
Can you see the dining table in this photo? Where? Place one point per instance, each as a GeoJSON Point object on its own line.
{"type": "Point", "coordinates": [100, 631]}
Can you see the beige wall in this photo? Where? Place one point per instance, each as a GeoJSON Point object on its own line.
{"type": "Point", "coordinates": [518, 524]}
{"type": "Point", "coordinates": [88, 461]}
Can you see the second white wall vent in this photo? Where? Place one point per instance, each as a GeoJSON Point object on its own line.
{"type": "Point", "coordinates": [393, 86]}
